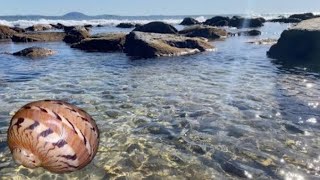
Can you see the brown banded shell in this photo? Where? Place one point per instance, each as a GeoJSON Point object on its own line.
{"type": "Point", "coordinates": [54, 135]}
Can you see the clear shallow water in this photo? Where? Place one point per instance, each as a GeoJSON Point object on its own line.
{"type": "Point", "coordinates": [226, 114]}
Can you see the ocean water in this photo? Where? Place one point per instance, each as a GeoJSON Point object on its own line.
{"type": "Point", "coordinates": [228, 114]}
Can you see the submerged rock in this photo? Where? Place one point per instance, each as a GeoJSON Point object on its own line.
{"type": "Point", "coordinates": [293, 129]}
{"type": "Point", "coordinates": [6, 32]}
{"type": "Point", "coordinates": [75, 34]}
{"type": "Point", "coordinates": [157, 27]}
{"type": "Point", "coordinates": [267, 41]}
{"type": "Point", "coordinates": [34, 52]}
{"type": "Point", "coordinates": [189, 21]}
{"type": "Point", "coordinates": [300, 43]}
{"type": "Point", "coordinates": [208, 32]}
{"type": "Point", "coordinates": [253, 32]}
{"type": "Point", "coordinates": [39, 36]}
{"type": "Point", "coordinates": [107, 43]}
{"type": "Point", "coordinates": [147, 45]}
{"type": "Point", "coordinates": [39, 27]}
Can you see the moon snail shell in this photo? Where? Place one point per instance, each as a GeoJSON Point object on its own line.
{"type": "Point", "coordinates": [53, 134]}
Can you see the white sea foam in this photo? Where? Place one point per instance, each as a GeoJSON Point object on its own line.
{"type": "Point", "coordinates": [94, 22]}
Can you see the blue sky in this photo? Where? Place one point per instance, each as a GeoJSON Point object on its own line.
{"type": "Point", "coordinates": [156, 7]}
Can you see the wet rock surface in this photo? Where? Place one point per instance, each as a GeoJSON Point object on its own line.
{"type": "Point", "coordinates": [140, 44]}
{"type": "Point", "coordinates": [157, 27]}
{"type": "Point", "coordinates": [300, 43]}
{"type": "Point", "coordinates": [208, 32]}
{"type": "Point", "coordinates": [127, 25]}
{"type": "Point", "coordinates": [34, 52]}
{"type": "Point", "coordinates": [38, 37]}
{"type": "Point", "coordinates": [106, 43]}
{"type": "Point", "coordinates": [189, 21]}
{"type": "Point", "coordinates": [6, 32]}
{"type": "Point", "coordinates": [218, 21]}
{"type": "Point", "coordinates": [39, 27]}
{"type": "Point", "coordinates": [75, 34]}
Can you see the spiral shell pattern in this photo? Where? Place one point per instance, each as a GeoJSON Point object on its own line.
{"type": "Point", "coordinates": [54, 135]}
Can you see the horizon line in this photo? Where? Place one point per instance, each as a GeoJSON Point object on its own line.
{"type": "Point", "coordinates": [243, 13]}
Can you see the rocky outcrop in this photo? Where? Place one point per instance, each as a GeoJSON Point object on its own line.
{"type": "Point", "coordinates": [303, 16]}
{"type": "Point", "coordinates": [38, 37]}
{"type": "Point", "coordinates": [108, 43]}
{"type": "Point", "coordinates": [147, 45]}
{"type": "Point", "coordinates": [300, 43]}
{"type": "Point", "coordinates": [6, 32]}
{"type": "Point", "coordinates": [157, 27]}
{"type": "Point", "coordinates": [241, 22]}
{"type": "Point", "coordinates": [34, 52]}
{"type": "Point", "coordinates": [295, 18]}
{"type": "Point", "coordinates": [127, 25]}
{"type": "Point", "coordinates": [286, 20]}
{"type": "Point", "coordinates": [235, 21]}
{"type": "Point", "coordinates": [218, 21]}
{"type": "Point", "coordinates": [75, 34]}
{"type": "Point", "coordinates": [208, 32]}
{"type": "Point", "coordinates": [39, 27]}
{"type": "Point", "coordinates": [189, 21]}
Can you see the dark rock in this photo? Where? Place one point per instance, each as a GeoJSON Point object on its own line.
{"type": "Point", "coordinates": [222, 23]}
{"type": "Point", "coordinates": [126, 25]}
{"type": "Point", "coordinates": [157, 129]}
{"type": "Point", "coordinates": [175, 159]}
{"type": "Point", "coordinates": [113, 113]}
{"type": "Point", "coordinates": [286, 20]}
{"type": "Point", "coordinates": [293, 129]}
{"type": "Point", "coordinates": [189, 21]}
{"type": "Point", "coordinates": [299, 44]}
{"type": "Point", "coordinates": [217, 21]}
{"type": "Point", "coordinates": [57, 26]}
{"type": "Point", "coordinates": [40, 36]}
{"type": "Point", "coordinates": [157, 27]}
{"type": "Point", "coordinates": [100, 25]}
{"type": "Point", "coordinates": [250, 33]}
{"type": "Point", "coordinates": [303, 16]}
{"type": "Point", "coordinates": [240, 22]}
{"type": "Point", "coordinates": [18, 30]}
{"type": "Point", "coordinates": [197, 149]}
{"type": "Point", "coordinates": [108, 43]}
{"type": "Point", "coordinates": [88, 26]}
{"type": "Point", "coordinates": [263, 20]}
{"type": "Point", "coordinates": [39, 27]}
{"type": "Point", "coordinates": [146, 45]}
{"type": "Point", "coordinates": [34, 52]}
{"type": "Point", "coordinates": [228, 165]}
{"type": "Point", "coordinates": [76, 34]}
{"type": "Point", "coordinates": [6, 32]}
{"type": "Point", "coordinates": [208, 32]}
{"type": "Point", "coordinates": [133, 147]}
